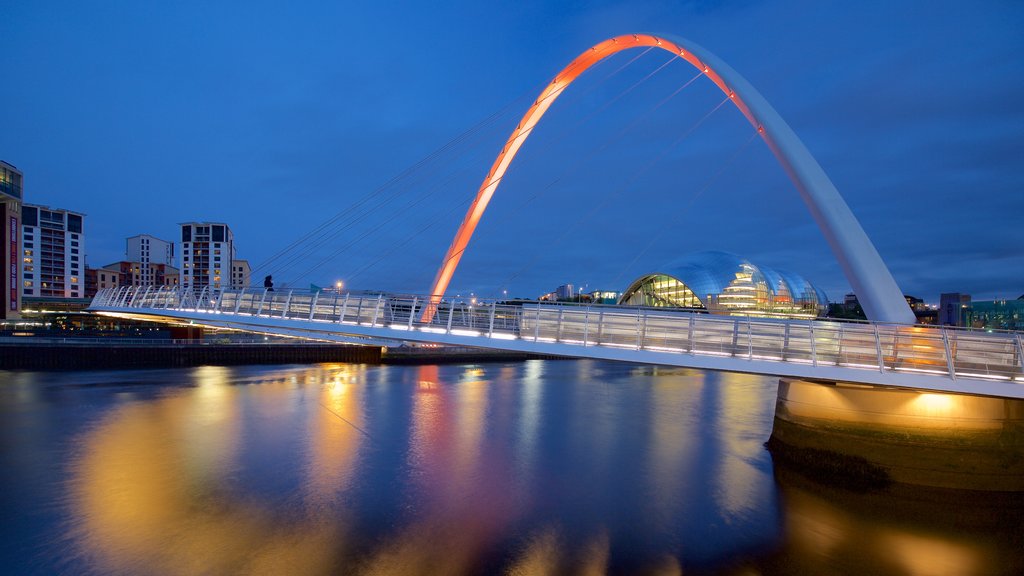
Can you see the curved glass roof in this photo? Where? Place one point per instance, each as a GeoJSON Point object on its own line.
{"type": "Point", "coordinates": [726, 283]}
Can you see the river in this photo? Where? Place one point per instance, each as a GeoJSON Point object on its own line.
{"type": "Point", "coordinates": [536, 467]}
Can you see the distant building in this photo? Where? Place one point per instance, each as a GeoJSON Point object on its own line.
{"type": "Point", "coordinates": [565, 292]}
{"type": "Point", "coordinates": [97, 279]}
{"type": "Point", "coordinates": [136, 274]}
{"type": "Point", "coordinates": [724, 283]}
{"type": "Point", "coordinates": [952, 306]}
{"type": "Point", "coordinates": [207, 251]}
{"type": "Point", "coordinates": [53, 249]}
{"type": "Point", "coordinates": [604, 297]}
{"type": "Point", "coordinates": [240, 274]}
{"type": "Point", "coordinates": [146, 250]}
{"type": "Point", "coordinates": [996, 314]}
{"type": "Point", "coordinates": [10, 241]}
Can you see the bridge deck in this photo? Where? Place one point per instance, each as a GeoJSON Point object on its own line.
{"type": "Point", "coordinates": [922, 357]}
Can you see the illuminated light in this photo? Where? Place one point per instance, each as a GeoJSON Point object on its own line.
{"type": "Point", "coordinates": [465, 333]}
{"type": "Point", "coordinates": [706, 70]}
{"type": "Point", "coordinates": [921, 370]}
{"type": "Point", "coordinates": [398, 327]}
{"type": "Point", "coordinates": [543, 339]}
{"type": "Point", "coordinates": [732, 94]}
{"type": "Point", "coordinates": [664, 349]}
{"type": "Point", "coordinates": [502, 336]}
{"type": "Point", "coordinates": [985, 376]}
{"type": "Point", "coordinates": [434, 330]}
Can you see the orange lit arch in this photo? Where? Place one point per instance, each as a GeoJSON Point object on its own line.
{"type": "Point", "coordinates": [871, 280]}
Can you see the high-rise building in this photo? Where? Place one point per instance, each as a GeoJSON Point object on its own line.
{"type": "Point", "coordinates": [146, 250]}
{"type": "Point", "coordinates": [952, 307]}
{"type": "Point", "coordinates": [207, 250]}
{"type": "Point", "coordinates": [240, 274]}
{"type": "Point", "coordinates": [53, 248]}
{"type": "Point", "coordinates": [10, 250]}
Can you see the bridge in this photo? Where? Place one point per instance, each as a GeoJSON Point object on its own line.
{"type": "Point", "coordinates": [927, 358]}
{"type": "Point", "coordinates": [888, 351]}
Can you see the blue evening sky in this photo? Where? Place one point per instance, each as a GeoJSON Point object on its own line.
{"type": "Point", "coordinates": [275, 116]}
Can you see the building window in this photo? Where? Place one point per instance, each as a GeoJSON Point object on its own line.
{"type": "Point", "coordinates": [74, 243]}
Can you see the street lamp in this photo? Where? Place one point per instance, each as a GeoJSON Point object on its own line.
{"type": "Point", "coordinates": [338, 285]}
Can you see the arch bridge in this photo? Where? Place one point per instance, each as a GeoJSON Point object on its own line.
{"type": "Point", "coordinates": [919, 357]}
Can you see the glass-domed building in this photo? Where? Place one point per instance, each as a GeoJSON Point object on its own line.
{"type": "Point", "coordinates": [724, 283]}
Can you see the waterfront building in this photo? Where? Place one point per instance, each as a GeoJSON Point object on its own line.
{"type": "Point", "coordinates": [995, 314]}
{"type": "Point", "coordinates": [10, 239]}
{"type": "Point", "coordinates": [951, 308]}
{"type": "Point", "coordinates": [97, 279]}
{"type": "Point", "coordinates": [207, 252]}
{"type": "Point", "coordinates": [724, 283]}
{"type": "Point", "coordinates": [146, 250]}
{"type": "Point", "coordinates": [53, 252]}
{"type": "Point", "coordinates": [240, 274]}
{"type": "Point", "coordinates": [134, 273]}
{"type": "Point", "coordinates": [604, 297]}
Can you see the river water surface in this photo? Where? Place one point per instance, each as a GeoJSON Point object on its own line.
{"type": "Point", "coordinates": [538, 467]}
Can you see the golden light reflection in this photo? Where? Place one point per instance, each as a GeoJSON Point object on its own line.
{"type": "Point", "coordinates": [152, 491]}
{"type": "Point", "coordinates": [674, 437]}
{"type": "Point", "coordinates": [335, 436]}
{"type": "Point", "coordinates": [833, 531]}
{"type": "Point", "coordinates": [743, 486]}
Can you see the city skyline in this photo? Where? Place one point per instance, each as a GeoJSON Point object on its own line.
{"type": "Point", "coordinates": [206, 117]}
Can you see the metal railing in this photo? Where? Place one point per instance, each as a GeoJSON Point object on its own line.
{"type": "Point", "coordinates": [945, 351]}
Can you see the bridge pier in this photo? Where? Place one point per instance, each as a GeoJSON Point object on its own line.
{"type": "Point", "coordinates": [875, 435]}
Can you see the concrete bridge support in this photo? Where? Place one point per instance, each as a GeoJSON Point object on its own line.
{"type": "Point", "coordinates": [899, 435]}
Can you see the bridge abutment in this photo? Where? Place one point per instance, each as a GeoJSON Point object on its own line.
{"type": "Point", "coordinates": [882, 434]}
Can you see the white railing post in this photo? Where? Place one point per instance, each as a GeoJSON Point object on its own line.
{"type": "Point", "coordinates": [145, 295]}
{"type": "Point", "coordinates": [536, 325]}
{"type": "Point", "coordinates": [412, 311]}
{"type": "Point", "coordinates": [949, 355]}
{"type": "Point", "coordinates": [451, 312]}
{"type": "Point", "coordinates": [312, 305]}
{"type": "Point", "coordinates": [376, 310]}
{"type": "Point", "coordinates": [878, 348]}
{"type": "Point", "coordinates": [359, 310]}
{"type": "Point", "coordinates": [689, 336]}
{"type": "Point", "coordinates": [839, 347]}
{"type": "Point", "coordinates": [263, 299]}
{"type": "Point", "coordinates": [344, 308]}
{"type": "Point", "coordinates": [600, 327]}
{"type": "Point", "coordinates": [220, 297]}
{"type": "Point", "coordinates": [639, 330]}
{"type": "Point", "coordinates": [1020, 353]}
{"type": "Point", "coordinates": [202, 295]}
{"type": "Point", "coordinates": [287, 303]}
{"type": "Point", "coordinates": [490, 321]}
{"type": "Point", "coordinates": [238, 302]}
{"type": "Point", "coordinates": [586, 325]}
{"type": "Point", "coordinates": [750, 340]}
{"type": "Point", "coordinates": [558, 328]}
{"type": "Point", "coordinates": [814, 352]}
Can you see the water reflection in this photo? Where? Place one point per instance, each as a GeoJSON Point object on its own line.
{"type": "Point", "coordinates": [525, 468]}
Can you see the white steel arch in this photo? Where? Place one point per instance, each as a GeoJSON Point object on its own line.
{"type": "Point", "coordinates": [871, 280]}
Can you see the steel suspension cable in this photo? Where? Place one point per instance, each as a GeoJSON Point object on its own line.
{"type": "Point", "coordinates": [618, 191]}
{"type": "Point", "coordinates": [693, 198]}
{"type": "Point", "coordinates": [325, 236]}
{"type": "Point", "coordinates": [319, 235]}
